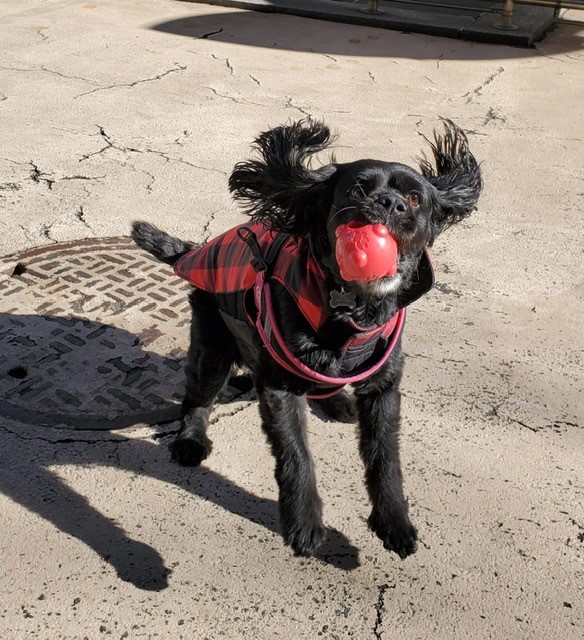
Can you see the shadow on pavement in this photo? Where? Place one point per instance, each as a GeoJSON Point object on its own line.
{"type": "Point", "coordinates": [30, 482]}
{"type": "Point", "coordinates": [271, 31]}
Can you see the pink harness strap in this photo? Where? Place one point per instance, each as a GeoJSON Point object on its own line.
{"type": "Point", "coordinates": [266, 324]}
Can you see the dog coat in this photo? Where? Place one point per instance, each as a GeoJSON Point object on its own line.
{"type": "Point", "coordinates": [239, 266]}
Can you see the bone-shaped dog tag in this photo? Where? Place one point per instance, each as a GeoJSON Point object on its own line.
{"type": "Point", "coordinates": [343, 299]}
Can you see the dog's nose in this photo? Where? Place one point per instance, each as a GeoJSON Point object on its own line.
{"type": "Point", "coordinates": [393, 203]}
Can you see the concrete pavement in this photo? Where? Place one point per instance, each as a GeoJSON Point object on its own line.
{"type": "Point", "coordinates": [114, 111]}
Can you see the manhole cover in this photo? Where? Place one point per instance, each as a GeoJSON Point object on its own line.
{"type": "Point", "coordinates": [92, 336]}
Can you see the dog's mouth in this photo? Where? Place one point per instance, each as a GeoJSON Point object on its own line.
{"type": "Point", "coordinates": [368, 254]}
{"type": "Point", "coordinates": [381, 287]}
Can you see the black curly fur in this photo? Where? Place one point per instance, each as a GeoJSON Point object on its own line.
{"type": "Point", "coordinates": [164, 247]}
{"type": "Point", "coordinates": [457, 176]}
{"type": "Point", "coordinates": [281, 190]}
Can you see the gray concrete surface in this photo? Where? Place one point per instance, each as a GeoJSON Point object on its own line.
{"type": "Point", "coordinates": [112, 111]}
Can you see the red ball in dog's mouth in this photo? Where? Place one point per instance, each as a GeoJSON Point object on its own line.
{"type": "Point", "coordinates": [365, 252]}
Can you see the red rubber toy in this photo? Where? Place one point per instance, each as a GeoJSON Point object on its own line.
{"type": "Point", "coordinates": [365, 252]}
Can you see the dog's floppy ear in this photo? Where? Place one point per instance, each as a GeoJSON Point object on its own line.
{"type": "Point", "coordinates": [280, 189]}
{"type": "Point", "coordinates": [456, 179]}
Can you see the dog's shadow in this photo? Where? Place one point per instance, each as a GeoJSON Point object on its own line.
{"type": "Point", "coordinates": [28, 480]}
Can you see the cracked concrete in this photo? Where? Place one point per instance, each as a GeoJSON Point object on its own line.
{"type": "Point", "coordinates": [159, 76]}
{"type": "Point", "coordinates": [111, 145]}
{"type": "Point", "coordinates": [380, 610]}
{"type": "Point", "coordinates": [115, 111]}
{"type": "Point", "coordinates": [478, 91]}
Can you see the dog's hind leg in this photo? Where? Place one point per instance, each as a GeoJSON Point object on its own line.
{"type": "Point", "coordinates": [211, 353]}
{"type": "Point", "coordinates": [283, 420]}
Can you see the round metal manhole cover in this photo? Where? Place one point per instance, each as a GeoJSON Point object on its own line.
{"type": "Point", "coordinates": [93, 335]}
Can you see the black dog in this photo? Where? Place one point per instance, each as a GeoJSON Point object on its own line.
{"type": "Point", "coordinates": [301, 329]}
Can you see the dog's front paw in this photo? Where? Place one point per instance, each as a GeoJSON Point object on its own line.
{"type": "Point", "coordinates": [305, 541]}
{"type": "Point", "coordinates": [189, 451]}
{"type": "Point", "coordinates": [400, 535]}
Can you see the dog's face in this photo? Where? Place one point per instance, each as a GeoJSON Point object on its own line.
{"type": "Point", "coordinates": [286, 195]}
{"type": "Point", "coordinates": [389, 193]}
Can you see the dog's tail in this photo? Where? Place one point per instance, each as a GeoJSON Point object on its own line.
{"type": "Point", "coordinates": [158, 243]}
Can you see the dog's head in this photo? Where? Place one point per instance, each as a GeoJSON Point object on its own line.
{"type": "Point", "coordinates": [283, 192]}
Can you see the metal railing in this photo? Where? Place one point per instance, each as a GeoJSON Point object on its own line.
{"type": "Point", "coordinates": [557, 5]}
{"type": "Point", "coordinates": [507, 12]}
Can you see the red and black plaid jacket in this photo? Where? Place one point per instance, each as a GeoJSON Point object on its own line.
{"type": "Point", "coordinates": [227, 267]}
{"type": "Point", "coordinates": [224, 267]}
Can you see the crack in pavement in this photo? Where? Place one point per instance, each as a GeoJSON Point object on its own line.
{"type": "Point", "coordinates": [56, 73]}
{"type": "Point", "coordinates": [227, 414]}
{"type": "Point", "coordinates": [294, 106]}
{"type": "Point", "coordinates": [581, 529]}
{"type": "Point", "coordinates": [111, 145]}
{"type": "Point", "coordinates": [555, 425]}
{"type": "Point", "coordinates": [185, 134]}
{"type": "Point", "coordinates": [179, 67]}
{"type": "Point", "coordinates": [76, 177]}
{"type": "Point", "coordinates": [206, 229]}
{"type": "Point", "coordinates": [63, 75]}
{"type": "Point", "coordinates": [148, 187]}
{"type": "Point", "coordinates": [46, 231]}
{"type": "Point", "coordinates": [233, 412]}
{"type": "Point", "coordinates": [36, 176]}
{"type": "Point", "coordinates": [40, 30]}
{"type": "Point", "coordinates": [220, 95]}
{"type": "Point", "coordinates": [65, 440]}
{"type": "Point", "coordinates": [80, 215]}
{"type": "Point", "coordinates": [25, 231]}
{"type": "Point", "coordinates": [478, 91]}
{"type": "Point", "coordinates": [211, 33]}
{"type": "Point", "coordinates": [10, 186]}
{"type": "Point", "coordinates": [441, 57]}
{"type": "Point", "coordinates": [226, 61]}
{"type": "Point", "coordinates": [326, 55]}
{"type": "Point", "coordinates": [492, 115]}
{"type": "Point", "coordinates": [231, 68]}
{"type": "Point", "coordinates": [520, 423]}
{"type": "Point", "coordinates": [380, 610]}
{"type": "Point", "coordinates": [238, 101]}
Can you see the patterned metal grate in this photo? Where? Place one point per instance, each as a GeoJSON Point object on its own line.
{"type": "Point", "coordinates": [92, 335]}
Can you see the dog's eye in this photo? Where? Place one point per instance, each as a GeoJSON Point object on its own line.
{"type": "Point", "coordinates": [413, 199]}
{"type": "Point", "coordinates": [355, 192]}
